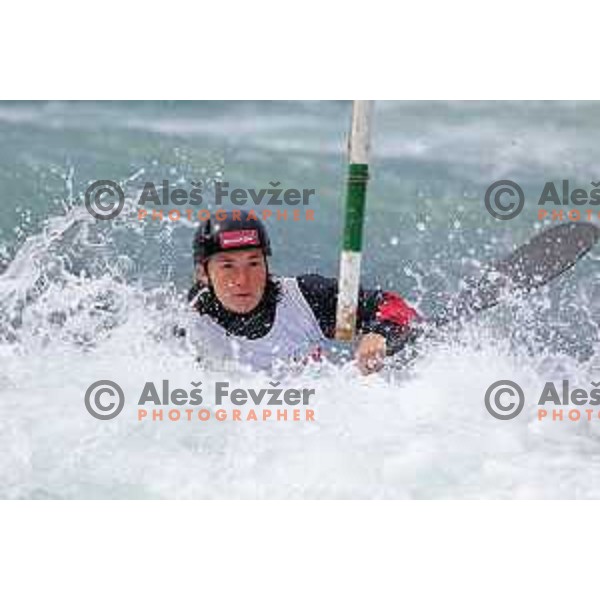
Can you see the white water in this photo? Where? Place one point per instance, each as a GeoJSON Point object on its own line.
{"type": "Point", "coordinates": [83, 301]}
{"type": "Point", "coordinates": [423, 433]}
{"type": "Point", "coordinates": [429, 437]}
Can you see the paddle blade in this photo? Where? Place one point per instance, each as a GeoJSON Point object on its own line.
{"type": "Point", "coordinates": [530, 266]}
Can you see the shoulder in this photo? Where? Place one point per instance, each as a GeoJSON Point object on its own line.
{"type": "Point", "coordinates": [315, 284]}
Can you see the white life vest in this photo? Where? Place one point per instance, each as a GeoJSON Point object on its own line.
{"type": "Point", "coordinates": [294, 336]}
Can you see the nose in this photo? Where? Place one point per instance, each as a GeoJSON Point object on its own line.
{"type": "Point", "coordinates": [241, 279]}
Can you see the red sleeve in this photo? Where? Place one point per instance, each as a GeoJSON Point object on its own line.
{"type": "Point", "coordinates": [394, 309]}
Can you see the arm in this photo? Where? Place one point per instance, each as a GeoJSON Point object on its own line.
{"type": "Point", "coordinates": [382, 314]}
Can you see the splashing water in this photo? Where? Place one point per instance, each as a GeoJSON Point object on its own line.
{"type": "Point", "coordinates": [82, 301]}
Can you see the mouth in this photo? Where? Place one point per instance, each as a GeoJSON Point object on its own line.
{"type": "Point", "coordinates": [243, 299]}
{"type": "Point", "coordinates": [242, 303]}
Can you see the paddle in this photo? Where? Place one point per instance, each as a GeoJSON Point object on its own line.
{"type": "Point", "coordinates": [530, 266]}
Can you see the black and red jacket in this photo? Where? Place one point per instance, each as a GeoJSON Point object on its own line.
{"type": "Point", "coordinates": [384, 313]}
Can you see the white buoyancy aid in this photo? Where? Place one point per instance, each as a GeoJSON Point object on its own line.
{"type": "Point", "coordinates": [294, 336]}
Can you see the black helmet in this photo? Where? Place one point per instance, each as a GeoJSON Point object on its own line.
{"type": "Point", "coordinates": [230, 230]}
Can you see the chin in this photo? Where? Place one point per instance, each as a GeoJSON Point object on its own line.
{"type": "Point", "coordinates": [242, 310]}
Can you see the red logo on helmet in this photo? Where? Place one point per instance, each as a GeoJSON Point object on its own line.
{"type": "Point", "coordinates": [237, 239]}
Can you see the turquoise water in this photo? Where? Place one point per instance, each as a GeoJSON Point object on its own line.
{"type": "Point", "coordinates": [432, 162]}
{"type": "Point", "coordinates": [82, 300]}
